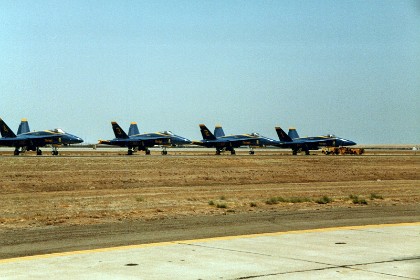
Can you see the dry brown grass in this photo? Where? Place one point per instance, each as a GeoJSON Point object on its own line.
{"type": "Point", "coordinates": [39, 191]}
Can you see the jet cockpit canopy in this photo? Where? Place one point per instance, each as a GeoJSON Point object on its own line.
{"type": "Point", "coordinates": [58, 130]}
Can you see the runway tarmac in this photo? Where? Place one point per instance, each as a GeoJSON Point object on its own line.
{"type": "Point", "coordinates": [389, 251]}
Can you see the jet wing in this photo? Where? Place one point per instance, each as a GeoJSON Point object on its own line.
{"type": "Point", "coordinates": [317, 142]}
{"type": "Point", "coordinates": [312, 144]}
{"type": "Point", "coordinates": [36, 137]}
{"type": "Point", "coordinates": [138, 141]}
{"type": "Point", "coordinates": [156, 140]}
{"type": "Point", "coordinates": [236, 142]}
{"type": "Point", "coordinates": [7, 141]}
{"type": "Point", "coordinates": [37, 140]}
{"type": "Point", "coordinates": [199, 143]}
{"type": "Point", "coordinates": [244, 140]}
{"type": "Point", "coordinates": [286, 144]}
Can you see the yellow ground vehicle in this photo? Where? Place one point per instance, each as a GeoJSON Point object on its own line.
{"type": "Point", "coordinates": [343, 151]}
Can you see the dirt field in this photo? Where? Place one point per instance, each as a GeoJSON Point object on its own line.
{"type": "Point", "coordinates": [85, 196]}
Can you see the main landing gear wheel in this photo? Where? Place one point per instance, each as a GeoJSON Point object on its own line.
{"type": "Point", "coordinates": [148, 152]}
{"type": "Point", "coordinates": [232, 152]}
{"type": "Point", "coordinates": [38, 152]}
{"type": "Point", "coordinates": [218, 152]}
{"type": "Point", "coordinates": [130, 152]}
{"type": "Point", "coordinates": [16, 152]}
{"type": "Point", "coordinates": [251, 152]}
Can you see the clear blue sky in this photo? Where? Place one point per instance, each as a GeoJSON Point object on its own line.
{"type": "Point", "coordinates": [351, 68]}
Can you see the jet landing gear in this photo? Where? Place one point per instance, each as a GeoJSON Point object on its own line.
{"type": "Point", "coordinates": [38, 151]}
{"type": "Point", "coordinates": [295, 152]}
{"type": "Point", "coordinates": [54, 151]}
{"type": "Point", "coordinates": [219, 151]}
{"type": "Point", "coordinates": [251, 151]}
{"type": "Point", "coordinates": [131, 151]}
{"type": "Point", "coordinates": [164, 151]}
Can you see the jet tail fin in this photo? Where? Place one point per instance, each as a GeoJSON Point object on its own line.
{"type": "Point", "coordinates": [206, 133]}
{"type": "Point", "coordinates": [118, 131]}
{"type": "Point", "coordinates": [134, 129]}
{"type": "Point", "coordinates": [5, 130]}
{"type": "Point", "coordinates": [282, 135]}
{"type": "Point", "coordinates": [293, 133]}
{"type": "Point", "coordinates": [23, 127]}
{"type": "Point", "coordinates": [218, 131]}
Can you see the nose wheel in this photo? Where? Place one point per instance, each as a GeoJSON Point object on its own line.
{"type": "Point", "coordinates": [54, 151]}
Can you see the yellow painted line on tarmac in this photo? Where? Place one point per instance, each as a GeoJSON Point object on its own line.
{"type": "Point", "coordinates": [298, 232]}
{"type": "Point", "coordinates": [82, 252]}
{"type": "Point", "coordinates": [172, 243]}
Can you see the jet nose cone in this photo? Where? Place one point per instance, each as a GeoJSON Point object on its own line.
{"type": "Point", "coordinates": [75, 139]}
{"type": "Point", "coordinates": [177, 140]}
{"type": "Point", "coordinates": [265, 142]}
{"type": "Point", "coordinates": [186, 141]}
{"type": "Point", "coordinates": [268, 141]}
{"type": "Point", "coordinates": [347, 142]}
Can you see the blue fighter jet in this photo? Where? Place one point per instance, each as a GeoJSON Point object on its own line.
{"type": "Point", "coordinates": [135, 141]}
{"type": "Point", "coordinates": [32, 141]}
{"type": "Point", "coordinates": [297, 144]}
{"type": "Point", "coordinates": [223, 143]}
